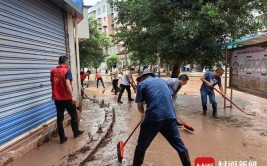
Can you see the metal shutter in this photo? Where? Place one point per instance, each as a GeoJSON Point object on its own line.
{"type": "Point", "coordinates": [32, 37]}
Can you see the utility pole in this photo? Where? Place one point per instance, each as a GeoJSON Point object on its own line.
{"type": "Point", "coordinates": [158, 59]}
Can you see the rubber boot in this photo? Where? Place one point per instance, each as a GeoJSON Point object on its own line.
{"type": "Point", "coordinates": [214, 112]}
{"type": "Point", "coordinates": [138, 157]}
{"type": "Point", "coordinates": [204, 110]}
{"type": "Point", "coordinates": [184, 156]}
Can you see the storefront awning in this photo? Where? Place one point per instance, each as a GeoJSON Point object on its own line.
{"type": "Point", "coordinates": [261, 38]}
{"type": "Point", "coordinates": [248, 40]}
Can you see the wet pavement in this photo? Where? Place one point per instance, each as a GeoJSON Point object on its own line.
{"type": "Point", "coordinates": [234, 137]}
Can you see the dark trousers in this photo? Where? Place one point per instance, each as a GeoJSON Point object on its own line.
{"type": "Point", "coordinates": [100, 79]}
{"type": "Point", "coordinates": [115, 85]}
{"type": "Point", "coordinates": [123, 87]}
{"type": "Point", "coordinates": [149, 130]}
{"type": "Point", "coordinates": [61, 105]}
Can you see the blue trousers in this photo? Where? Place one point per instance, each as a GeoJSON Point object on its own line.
{"type": "Point", "coordinates": [149, 130]}
{"type": "Point", "coordinates": [204, 94]}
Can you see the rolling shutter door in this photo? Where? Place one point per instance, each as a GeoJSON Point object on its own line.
{"type": "Point", "coordinates": [32, 37]}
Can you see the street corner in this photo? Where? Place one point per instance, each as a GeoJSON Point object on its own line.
{"type": "Point", "coordinates": [97, 120]}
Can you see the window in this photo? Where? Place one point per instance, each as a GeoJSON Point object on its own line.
{"type": "Point", "coordinates": [105, 29]}
{"type": "Point", "coordinates": [104, 9]}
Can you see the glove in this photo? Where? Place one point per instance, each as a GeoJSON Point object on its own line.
{"type": "Point", "coordinates": [142, 116]}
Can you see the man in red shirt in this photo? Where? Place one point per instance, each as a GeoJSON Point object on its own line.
{"type": "Point", "coordinates": [62, 94]}
{"type": "Point", "coordinates": [98, 77]}
{"type": "Point", "coordinates": [83, 76]}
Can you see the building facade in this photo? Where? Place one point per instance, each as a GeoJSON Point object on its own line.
{"type": "Point", "coordinates": [105, 13]}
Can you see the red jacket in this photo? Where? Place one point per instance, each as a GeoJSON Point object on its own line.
{"type": "Point", "coordinates": [83, 76]}
{"type": "Point", "coordinates": [58, 83]}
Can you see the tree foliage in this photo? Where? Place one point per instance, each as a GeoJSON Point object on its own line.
{"type": "Point", "coordinates": [112, 60]}
{"type": "Point", "coordinates": [91, 50]}
{"type": "Point", "coordinates": [183, 31]}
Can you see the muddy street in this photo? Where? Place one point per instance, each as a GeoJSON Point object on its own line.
{"type": "Point", "coordinates": [234, 137]}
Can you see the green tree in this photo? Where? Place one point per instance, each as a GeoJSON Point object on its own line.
{"type": "Point", "coordinates": [91, 50]}
{"type": "Point", "coordinates": [184, 31]}
{"type": "Point", "coordinates": [112, 60]}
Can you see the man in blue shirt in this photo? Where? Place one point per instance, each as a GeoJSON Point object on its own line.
{"type": "Point", "coordinates": [210, 79]}
{"type": "Point", "coordinates": [159, 117]}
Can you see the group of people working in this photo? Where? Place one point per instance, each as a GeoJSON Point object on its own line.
{"type": "Point", "coordinates": [157, 94]}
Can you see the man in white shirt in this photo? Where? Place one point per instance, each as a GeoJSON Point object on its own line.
{"type": "Point", "coordinates": [125, 84]}
{"type": "Point", "coordinates": [115, 78]}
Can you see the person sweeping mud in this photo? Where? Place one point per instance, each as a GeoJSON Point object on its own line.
{"type": "Point", "coordinates": [210, 79]}
{"type": "Point", "coordinates": [159, 117]}
{"type": "Point", "coordinates": [98, 78]}
{"type": "Point", "coordinates": [125, 84]}
{"type": "Point", "coordinates": [176, 84]}
{"type": "Point", "coordinates": [115, 79]}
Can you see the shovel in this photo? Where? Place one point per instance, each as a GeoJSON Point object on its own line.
{"type": "Point", "coordinates": [251, 114]}
{"type": "Point", "coordinates": [121, 144]}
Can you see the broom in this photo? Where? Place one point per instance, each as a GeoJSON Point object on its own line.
{"type": "Point", "coordinates": [185, 125]}
{"type": "Point", "coordinates": [251, 114]}
{"type": "Point", "coordinates": [121, 144]}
